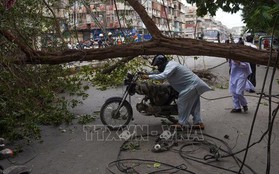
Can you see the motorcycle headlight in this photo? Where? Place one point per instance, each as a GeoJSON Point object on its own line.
{"type": "Point", "coordinates": [128, 79]}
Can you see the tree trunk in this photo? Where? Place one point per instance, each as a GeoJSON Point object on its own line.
{"type": "Point", "coordinates": [159, 44]}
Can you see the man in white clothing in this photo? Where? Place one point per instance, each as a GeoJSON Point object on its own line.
{"type": "Point", "coordinates": [186, 83]}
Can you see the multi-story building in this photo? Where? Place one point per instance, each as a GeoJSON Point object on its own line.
{"type": "Point", "coordinates": [194, 25]}
{"type": "Point", "coordinates": [121, 19]}
{"type": "Point", "coordinates": [237, 31]}
{"type": "Point", "coordinates": [172, 17]}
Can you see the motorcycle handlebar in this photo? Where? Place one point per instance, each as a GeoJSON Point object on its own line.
{"type": "Point", "coordinates": [140, 73]}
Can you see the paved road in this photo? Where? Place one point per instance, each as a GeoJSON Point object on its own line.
{"type": "Point", "coordinates": [78, 151]}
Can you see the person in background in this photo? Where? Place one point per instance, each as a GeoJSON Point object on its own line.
{"type": "Point", "coordinates": [237, 84]}
{"type": "Point", "coordinates": [119, 41]}
{"type": "Point", "coordinates": [69, 45]}
{"type": "Point", "coordinates": [240, 41]}
{"type": "Point", "coordinates": [101, 40]}
{"type": "Point", "coordinates": [111, 41]}
{"type": "Point", "coordinates": [266, 44]}
{"type": "Point", "coordinates": [252, 76]}
{"type": "Point", "coordinates": [187, 84]}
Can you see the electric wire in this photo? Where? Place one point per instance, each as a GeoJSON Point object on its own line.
{"type": "Point", "coordinates": [257, 108]}
{"type": "Point", "coordinates": [270, 114]}
{"type": "Point", "coordinates": [183, 156]}
{"type": "Point", "coordinates": [93, 16]}
{"type": "Point", "coordinates": [230, 154]}
{"type": "Point", "coordinates": [229, 96]}
{"type": "Point", "coordinates": [168, 22]}
{"type": "Point", "coordinates": [144, 161]}
{"type": "Point", "coordinates": [119, 163]}
{"type": "Point", "coordinates": [124, 169]}
{"type": "Point", "coordinates": [229, 151]}
{"type": "Point", "coordinates": [118, 18]}
{"type": "Point", "coordinates": [274, 113]}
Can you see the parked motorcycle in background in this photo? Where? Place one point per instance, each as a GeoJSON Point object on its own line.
{"type": "Point", "coordinates": [159, 100]}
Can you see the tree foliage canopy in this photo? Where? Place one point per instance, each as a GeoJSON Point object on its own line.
{"type": "Point", "coordinates": [258, 15]}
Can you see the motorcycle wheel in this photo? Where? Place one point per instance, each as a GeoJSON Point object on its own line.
{"type": "Point", "coordinates": [114, 120]}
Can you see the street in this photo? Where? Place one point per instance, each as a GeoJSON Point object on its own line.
{"type": "Point", "coordinates": [89, 149]}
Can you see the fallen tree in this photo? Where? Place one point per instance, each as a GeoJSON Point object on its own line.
{"type": "Point", "coordinates": [159, 44]}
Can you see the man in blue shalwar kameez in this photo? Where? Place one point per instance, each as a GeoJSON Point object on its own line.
{"type": "Point", "coordinates": [186, 83]}
{"type": "Point", "coordinates": [238, 80]}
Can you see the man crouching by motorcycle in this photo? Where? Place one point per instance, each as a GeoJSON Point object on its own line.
{"type": "Point", "coordinates": [187, 84]}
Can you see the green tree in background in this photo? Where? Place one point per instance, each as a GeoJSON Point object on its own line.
{"type": "Point", "coordinates": [258, 15]}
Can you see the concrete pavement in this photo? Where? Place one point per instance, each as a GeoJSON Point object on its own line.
{"type": "Point", "coordinates": [74, 151]}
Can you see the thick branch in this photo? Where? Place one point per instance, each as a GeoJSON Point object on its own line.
{"type": "Point", "coordinates": [148, 22]}
{"type": "Point", "coordinates": [119, 63]}
{"type": "Point", "coordinates": [168, 46]}
{"type": "Point", "coordinates": [160, 44]}
{"type": "Point", "coordinates": [12, 38]}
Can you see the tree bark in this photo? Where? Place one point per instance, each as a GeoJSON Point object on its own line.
{"type": "Point", "coordinates": [159, 44]}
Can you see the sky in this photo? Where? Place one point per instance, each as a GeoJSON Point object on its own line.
{"type": "Point", "coordinates": [228, 19]}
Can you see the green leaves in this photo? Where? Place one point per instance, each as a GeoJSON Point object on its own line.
{"type": "Point", "coordinates": [116, 77]}
{"type": "Point", "coordinates": [85, 119]}
{"type": "Point", "coordinates": [258, 15]}
{"type": "Point", "coordinates": [32, 95]}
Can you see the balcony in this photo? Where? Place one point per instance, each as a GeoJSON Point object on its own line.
{"type": "Point", "coordinates": [122, 6]}
{"type": "Point", "coordinates": [176, 29]}
{"type": "Point", "coordinates": [182, 10]}
{"type": "Point", "coordinates": [149, 11]}
{"type": "Point", "coordinates": [189, 30]}
{"type": "Point", "coordinates": [156, 13]}
{"type": "Point", "coordinates": [178, 19]}
{"type": "Point", "coordinates": [171, 5]}
{"type": "Point", "coordinates": [170, 16]}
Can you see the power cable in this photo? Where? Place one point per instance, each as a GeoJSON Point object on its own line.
{"type": "Point", "coordinates": [228, 96]}
{"type": "Point", "coordinates": [257, 108]}
{"type": "Point", "coordinates": [229, 152]}
{"type": "Point", "coordinates": [183, 156]}
{"type": "Point", "coordinates": [167, 18]}
{"type": "Point", "coordinates": [129, 169]}
{"type": "Point", "coordinates": [93, 16]}
{"type": "Point", "coordinates": [213, 147]}
{"type": "Point", "coordinates": [274, 113]}
{"type": "Point", "coordinates": [125, 169]}
{"type": "Point", "coordinates": [270, 114]}
{"type": "Point", "coordinates": [117, 14]}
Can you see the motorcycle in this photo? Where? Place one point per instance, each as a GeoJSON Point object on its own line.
{"type": "Point", "coordinates": [159, 100]}
{"type": "Point", "coordinates": [6, 153]}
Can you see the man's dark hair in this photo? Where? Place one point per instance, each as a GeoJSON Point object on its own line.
{"type": "Point", "coordinates": [158, 60]}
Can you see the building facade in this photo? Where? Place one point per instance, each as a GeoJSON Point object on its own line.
{"type": "Point", "coordinates": [173, 17]}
